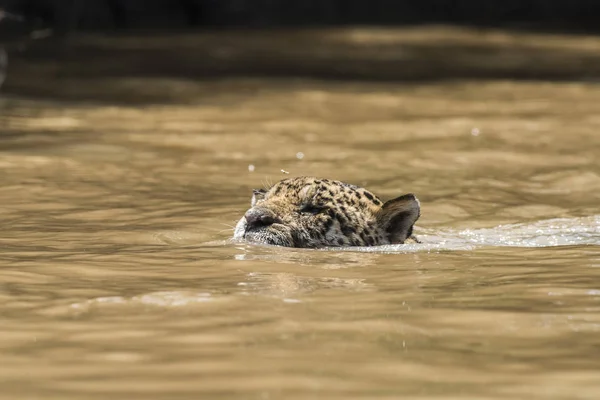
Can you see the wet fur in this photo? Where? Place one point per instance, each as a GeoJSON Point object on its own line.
{"type": "Point", "coordinates": [312, 212]}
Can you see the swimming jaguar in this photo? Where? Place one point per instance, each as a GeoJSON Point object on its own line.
{"type": "Point", "coordinates": [311, 212]}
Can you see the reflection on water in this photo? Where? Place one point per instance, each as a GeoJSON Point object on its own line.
{"type": "Point", "coordinates": [118, 278]}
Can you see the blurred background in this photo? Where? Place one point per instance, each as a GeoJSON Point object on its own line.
{"type": "Point", "coordinates": [133, 131]}
{"type": "Point", "coordinates": [68, 15]}
{"type": "Point", "coordinates": [399, 40]}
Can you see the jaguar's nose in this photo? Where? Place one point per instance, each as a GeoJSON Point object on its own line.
{"type": "Point", "coordinates": [258, 218]}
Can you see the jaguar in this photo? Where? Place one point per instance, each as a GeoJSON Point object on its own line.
{"type": "Point", "coordinates": [310, 212]}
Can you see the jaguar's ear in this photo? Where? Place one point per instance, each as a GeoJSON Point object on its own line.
{"type": "Point", "coordinates": [398, 216]}
{"type": "Point", "coordinates": [257, 195]}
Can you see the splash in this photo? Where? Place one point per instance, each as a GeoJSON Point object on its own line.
{"type": "Point", "coordinates": [547, 233]}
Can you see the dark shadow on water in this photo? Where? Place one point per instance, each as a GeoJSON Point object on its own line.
{"type": "Point", "coordinates": [98, 66]}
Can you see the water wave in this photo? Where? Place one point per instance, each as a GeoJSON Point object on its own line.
{"type": "Point", "coordinates": [546, 233]}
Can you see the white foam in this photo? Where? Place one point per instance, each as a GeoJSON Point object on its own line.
{"type": "Point", "coordinates": [547, 233]}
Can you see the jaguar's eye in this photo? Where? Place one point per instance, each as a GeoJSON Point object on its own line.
{"type": "Point", "coordinates": [311, 209]}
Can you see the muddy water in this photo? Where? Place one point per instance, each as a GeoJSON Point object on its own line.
{"type": "Point", "coordinates": [117, 279]}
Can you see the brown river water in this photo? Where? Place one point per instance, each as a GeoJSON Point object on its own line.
{"type": "Point", "coordinates": [117, 278]}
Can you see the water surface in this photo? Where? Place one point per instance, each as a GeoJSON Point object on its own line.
{"type": "Point", "coordinates": [117, 278]}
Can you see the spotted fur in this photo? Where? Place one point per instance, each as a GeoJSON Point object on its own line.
{"type": "Point", "coordinates": [312, 212]}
